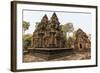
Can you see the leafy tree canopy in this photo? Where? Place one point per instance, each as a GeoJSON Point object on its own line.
{"type": "Point", "coordinates": [26, 25]}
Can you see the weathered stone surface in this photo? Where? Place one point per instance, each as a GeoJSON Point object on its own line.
{"type": "Point", "coordinates": [82, 41]}
{"type": "Point", "coordinates": [48, 34]}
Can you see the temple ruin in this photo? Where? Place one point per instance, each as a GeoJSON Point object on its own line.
{"type": "Point", "coordinates": [49, 42]}
{"type": "Point", "coordinates": [82, 41]}
{"type": "Point", "coordinates": [48, 34]}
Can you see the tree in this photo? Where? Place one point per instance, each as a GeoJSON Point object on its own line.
{"type": "Point", "coordinates": [70, 42]}
{"type": "Point", "coordinates": [68, 28]}
{"type": "Point", "coordinates": [27, 40]}
{"type": "Point", "coordinates": [25, 25]}
{"type": "Point", "coordinates": [74, 35]}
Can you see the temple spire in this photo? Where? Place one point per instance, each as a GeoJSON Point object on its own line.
{"type": "Point", "coordinates": [44, 19]}
{"type": "Point", "coordinates": [54, 16]}
{"type": "Point", "coordinates": [54, 19]}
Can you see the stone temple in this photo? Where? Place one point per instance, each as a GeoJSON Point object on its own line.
{"type": "Point", "coordinates": [48, 34]}
{"type": "Point", "coordinates": [82, 41]}
{"type": "Point", "coordinates": [49, 42]}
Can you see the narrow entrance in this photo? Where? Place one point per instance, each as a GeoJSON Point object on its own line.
{"type": "Point", "coordinates": [80, 45]}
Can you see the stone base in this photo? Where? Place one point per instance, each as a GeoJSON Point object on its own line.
{"type": "Point", "coordinates": [50, 54]}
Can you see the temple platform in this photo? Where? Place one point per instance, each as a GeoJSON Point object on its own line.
{"type": "Point", "coordinates": [48, 49]}
{"type": "Point", "coordinates": [50, 53]}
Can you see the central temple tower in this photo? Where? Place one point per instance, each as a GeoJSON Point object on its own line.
{"type": "Point", "coordinates": [48, 34]}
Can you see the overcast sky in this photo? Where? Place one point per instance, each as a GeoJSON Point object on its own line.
{"type": "Point", "coordinates": [79, 20]}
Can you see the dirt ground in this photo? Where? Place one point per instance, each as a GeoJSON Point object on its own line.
{"type": "Point", "coordinates": [65, 55]}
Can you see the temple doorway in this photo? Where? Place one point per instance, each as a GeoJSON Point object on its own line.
{"type": "Point", "coordinates": [80, 45]}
